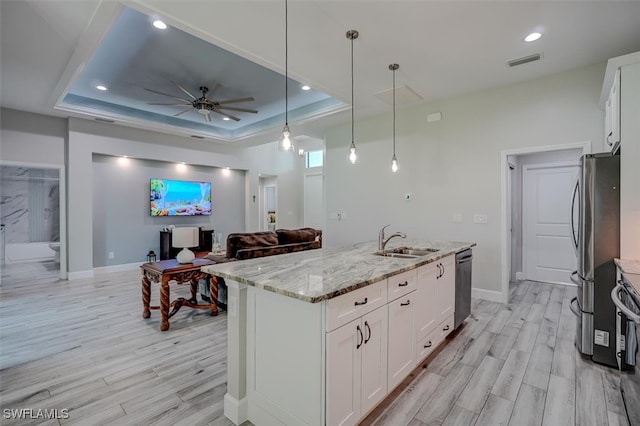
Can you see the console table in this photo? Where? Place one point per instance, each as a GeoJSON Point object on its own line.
{"type": "Point", "coordinates": [170, 270]}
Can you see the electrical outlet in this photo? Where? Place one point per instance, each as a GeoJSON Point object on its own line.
{"type": "Point", "coordinates": [457, 218]}
{"type": "Point", "coordinates": [480, 218]}
{"type": "Point", "coordinates": [111, 255]}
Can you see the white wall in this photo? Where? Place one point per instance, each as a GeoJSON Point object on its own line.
{"type": "Point", "coordinates": [453, 165]}
{"type": "Point", "coordinates": [32, 138]}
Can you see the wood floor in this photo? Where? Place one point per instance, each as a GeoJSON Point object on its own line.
{"type": "Point", "coordinates": [83, 346]}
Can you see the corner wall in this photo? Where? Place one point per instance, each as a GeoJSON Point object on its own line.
{"type": "Point", "coordinates": [453, 166]}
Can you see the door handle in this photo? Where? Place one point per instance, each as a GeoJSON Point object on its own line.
{"type": "Point", "coordinates": [575, 312]}
{"type": "Point", "coordinates": [574, 238]}
{"type": "Point", "coordinates": [573, 279]}
{"type": "Point", "coordinates": [615, 297]}
{"type": "Point", "coordinates": [361, 337]}
{"type": "Point", "coordinates": [366, 340]}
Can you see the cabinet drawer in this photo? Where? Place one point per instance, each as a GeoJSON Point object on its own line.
{"type": "Point", "coordinates": [444, 328]}
{"type": "Point", "coordinates": [401, 284]}
{"type": "Point", "coordinates": [425, 346]}
{"type": "Point", "coordinates": [349, 306]}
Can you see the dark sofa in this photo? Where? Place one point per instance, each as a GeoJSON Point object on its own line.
{"type": "Point", "coordinates": [250, 245]}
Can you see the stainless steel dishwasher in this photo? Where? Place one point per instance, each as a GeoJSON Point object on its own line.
{"type": "Point", "coordinates": [463, 287]}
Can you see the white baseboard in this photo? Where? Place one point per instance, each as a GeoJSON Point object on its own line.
{"type": "Point", "coordinates": [118, 268]}
{"type": "Point", "coordinates": [236, 410]}
{"type": "Point", "coordinates": [80, 275]}
{"type": "Point", "coordinates": [520, 276]}
{"type": "Point", "coordinates": [491, 295]}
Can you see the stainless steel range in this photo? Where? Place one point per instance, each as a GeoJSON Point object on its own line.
{"type": "Point", "coordinates": [627, 301]}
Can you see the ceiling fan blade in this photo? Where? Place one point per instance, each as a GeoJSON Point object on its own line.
{"type": "Point", "coordinates": [226, 115]}
{"type": "Point", "coordinates": [233, 101]}
{"type": "Point", "coordinates": [180, 113]}
{"type": "Point", "coordinates": [165, 103]}
{"type": "Point", "coordinates": [207, 117]}
{"type": "Point", "coordinates": [166, 94]}
{"type": "Point", "coordinates": [184, 90]}
{"type": "Point", "coordinates": [238, 109]}
{"type": "Point", "coordinates": [212, 91]}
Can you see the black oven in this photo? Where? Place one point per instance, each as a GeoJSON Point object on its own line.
{"type": "Point", "coordinates": [627, 302]}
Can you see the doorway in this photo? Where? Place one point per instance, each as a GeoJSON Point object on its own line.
{"type": "Point", "coordinates": [33, 217]}
{"type": "Point", "coordinates": [268, 203]}
{"type": "Point", "coordinates": [515, 203]}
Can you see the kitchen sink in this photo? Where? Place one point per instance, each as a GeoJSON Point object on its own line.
{"type": "Point", "coordinates": [407, 252]}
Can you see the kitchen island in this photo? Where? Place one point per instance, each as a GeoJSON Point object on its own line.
{"type": "Point", "coordinates": [322, 336]}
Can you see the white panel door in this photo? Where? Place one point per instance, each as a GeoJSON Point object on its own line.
{"type": "Point", "coordinates": [343, 374]}
{"type": "Point", "coordinates": [314, 201]}
{"type": "Point", "coordinates": [374, 358]}
{"type": "Point", "coordinates": [547, 252]}
{"type": "Point", "coordinates": [401, 339]}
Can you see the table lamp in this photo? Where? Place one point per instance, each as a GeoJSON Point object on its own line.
{"type": "Point", "coordinates": [185, 237]}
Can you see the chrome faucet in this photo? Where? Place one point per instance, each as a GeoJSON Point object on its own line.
{"type": "Point", "coordinates": [382, 242]}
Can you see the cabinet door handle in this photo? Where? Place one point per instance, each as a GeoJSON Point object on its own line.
{"type": "Point", "coordinates": [404, 284]}
{"type": "Point", "coordinates": [361, 337]}
{"type": "Point", "coordinates": [428, 345]}
{"type": "Point", "coordinates": [446, 328]}
{"type": "Point", "coordinates": [407, 303]}
{"type": "Point", "coordinates": [364, 302]}
{"type": "Point", "coordinates": [366, 324]}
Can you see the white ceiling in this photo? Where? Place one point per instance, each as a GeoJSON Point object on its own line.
{"type": "Point", "coordinates": [444, 48]}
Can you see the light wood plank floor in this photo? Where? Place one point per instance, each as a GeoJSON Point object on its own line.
{"type": "Point", "coordinates": [83, 346]}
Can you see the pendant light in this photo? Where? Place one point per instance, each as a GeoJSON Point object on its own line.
{"type": "Point", "coordinates": [285, 139]}
{"type": "Point", "coordinates": [352, 35]}
{"type": "Point", "coordinates": [394, 159]}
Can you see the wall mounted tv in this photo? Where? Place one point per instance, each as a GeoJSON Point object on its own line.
{"type": "Point", "coordinates": [180, 198]}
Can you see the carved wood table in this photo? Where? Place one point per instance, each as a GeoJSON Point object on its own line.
{"type": "Point", "coordinates": [170, 270]}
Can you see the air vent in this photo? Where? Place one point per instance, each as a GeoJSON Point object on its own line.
{"type": "Point", "coordinates": [104, 120]}
{"type": "Point", "coordinates": [197, 137]}
{"type": "Point", "coordinates": [525, 60]}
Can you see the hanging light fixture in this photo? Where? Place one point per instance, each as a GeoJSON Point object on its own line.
{"type": "Point", "coordinates": [394, 159]}
{"type": "Point", "coordinates": [352, 35]}
{"type": "Point", "coordinates": [285, 139]}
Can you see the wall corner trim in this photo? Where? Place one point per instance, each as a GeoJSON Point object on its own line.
{"type": "Point", "coordinates": [491, 295]}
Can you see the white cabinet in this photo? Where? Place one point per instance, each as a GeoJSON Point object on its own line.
{"type": "Point", "coordinates": [445, 288]}
{"type": "Point", "coordinates": [401, 339]}
{"type": "Point", "coordinates": [426, 305]}
{"type": "Point", "coordinates": [401, 284]}
{"type": "Point", "coordinates": [356, 367]}
{"type": "Point", "coordinates": [612, 116]}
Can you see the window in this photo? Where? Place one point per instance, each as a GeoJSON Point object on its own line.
{"type": "Point", "coordinates": [313, 158]}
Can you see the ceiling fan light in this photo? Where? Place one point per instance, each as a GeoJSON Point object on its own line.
{"type": "Point", "coordinates": [203, 110]}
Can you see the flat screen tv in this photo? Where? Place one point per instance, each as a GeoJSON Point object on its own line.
{"type": "Point", "coordinates": [180, 198]}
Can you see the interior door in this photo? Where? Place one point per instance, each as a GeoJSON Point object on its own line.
{"type": "Point", "coordinates": [547, 243]}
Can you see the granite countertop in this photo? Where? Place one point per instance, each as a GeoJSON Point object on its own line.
{"type": "Point", "coordinates": [316, 275]}
{"type": "Point", "coordinates": [630, 268]}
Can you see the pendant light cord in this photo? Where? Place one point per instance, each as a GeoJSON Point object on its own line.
{"type": "Point", "coordinates": [394, 112]}
{"type": "Point", "coordinates": [286, 63]}
{"type": "Point", "coordinates": [352, 104]}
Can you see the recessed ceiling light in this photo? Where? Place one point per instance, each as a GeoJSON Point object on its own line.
{"type": "Point", "coordinates": [101, 87]}
{"type": "Point", "coordinates": [532, 37]}
{"type": "Point", "coordinates": [226, 118]}
{"type": "Point", "coordinates": [305, 87]}
{"type": "Point", "coordinates": [159, 24]}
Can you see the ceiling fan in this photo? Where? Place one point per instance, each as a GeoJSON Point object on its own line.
{"type": "Point", "coordinates": [204, 105]}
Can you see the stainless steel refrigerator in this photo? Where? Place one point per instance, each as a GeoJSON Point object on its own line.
{"type": "Point", "coordinates": [595, 232]}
